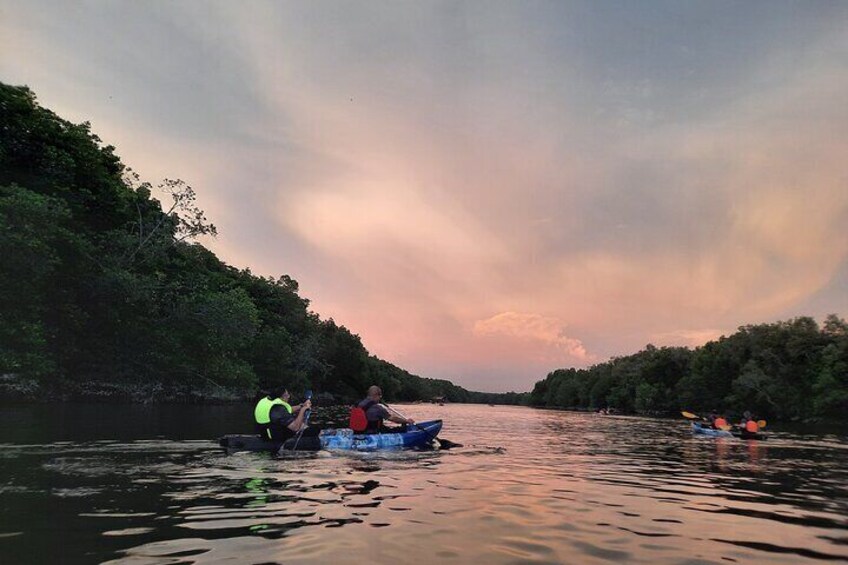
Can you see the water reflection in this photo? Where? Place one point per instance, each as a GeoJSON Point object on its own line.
{"type": "Point", "coordinates": [530, 486]}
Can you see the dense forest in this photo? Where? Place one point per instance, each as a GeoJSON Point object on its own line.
{"type": "Point", "coordinates": [105, 293]}
{"type": "Point", "coordinates": [786, 370]}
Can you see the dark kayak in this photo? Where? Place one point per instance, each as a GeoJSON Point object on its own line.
{"type": "Point", "coordinates": [701, 429]}
{"type": "Point", "coordinates": [744, 434]}
{"type": "Point", "coordinates": [417, 435]}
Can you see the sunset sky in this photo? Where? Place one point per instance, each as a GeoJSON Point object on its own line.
{"type": "Point", "coordinates": [484, 191]}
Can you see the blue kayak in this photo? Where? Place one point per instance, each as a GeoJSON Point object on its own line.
{"type": "Point", "coordinates": [700, 429]}
{"type": "Point", "coordinates": [416, 435]}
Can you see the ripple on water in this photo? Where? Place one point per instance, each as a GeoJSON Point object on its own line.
{"type": "Point", "coordinates": [128, 532]}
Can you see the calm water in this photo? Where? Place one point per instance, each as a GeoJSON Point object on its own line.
{"type": "Point", "coordinates": [91, 484]}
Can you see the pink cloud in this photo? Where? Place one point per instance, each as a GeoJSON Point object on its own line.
{"type": "Point", "coordinates": [686, 338]}
{"type": "Point", "coordinates": [534, 328]}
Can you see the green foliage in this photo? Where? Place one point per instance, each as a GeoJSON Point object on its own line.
{"type": "Point", "coordinates": [830, 388]}
{"type": "Point", "coordinates": [101, 283]}
{"type": "Point", "coordinates": [791, 369]}
{"type": "Point", "coordinates": [33, 241]}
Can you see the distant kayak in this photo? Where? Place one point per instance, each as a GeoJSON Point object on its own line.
{"type": "Point", "coordinates": [417, 435]}
{"type": "Point", "coordinates": [700, 429]}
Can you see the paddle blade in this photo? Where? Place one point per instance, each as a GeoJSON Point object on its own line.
{"type": "Point", "coordinates": [308, 396]}
{"type": "Point", "coordinates": [448, 444]}
{"type": "Point", "coordinates": [726, 427]}
{"type": "Point", "coordinates": [761, 424]}
{"type": "Point", "coordinates": [689, 415]}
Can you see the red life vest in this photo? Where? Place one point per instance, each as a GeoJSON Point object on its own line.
{"type": "Point", "coordinates": [751, 426]}
{"type": "Point", "coordinates": [359, 418]}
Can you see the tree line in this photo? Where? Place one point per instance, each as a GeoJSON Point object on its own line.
{"type": "Point", "coordinates": [790, 369]}
{"type": "Point", "coordinates": [104, 292]}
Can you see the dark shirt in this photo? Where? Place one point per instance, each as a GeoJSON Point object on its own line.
{"type": "Point", "coordinates": [280, 420]}
{"type": "Point", "coordinates": [375, 414]}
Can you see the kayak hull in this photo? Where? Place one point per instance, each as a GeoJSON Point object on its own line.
{"type": "Point", "coordinates": [749, 435]}
{"type": "Point", "coordinates": [417, 435]}
{"type": "Point", "coordinates": [701, 430]}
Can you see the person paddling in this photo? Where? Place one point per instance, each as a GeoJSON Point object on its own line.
{"type": "Point", "coordinates": [276, 419]}
{"type": "Point", "coordinates": [718, 421]}
{"type": "Point", "coordinates": [711, 418]}
{"type": "Point", "coordinates": [749, 424]}
{"type": "Point", "coordinates": [374, 413]}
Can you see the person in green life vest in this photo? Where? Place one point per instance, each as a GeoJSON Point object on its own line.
{"type": "Point", "coordinates": [278, 420]}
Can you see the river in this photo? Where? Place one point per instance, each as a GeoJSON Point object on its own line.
{"type": "Point", "coordinates": [146, 484]}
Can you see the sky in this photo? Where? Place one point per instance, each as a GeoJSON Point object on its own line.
{"type": "Point", "coordinates": [484, 191]}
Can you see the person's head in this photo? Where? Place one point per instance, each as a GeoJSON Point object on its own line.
{"type": "Point", "coordinates": [374, 393]}
{"type": "Point", "coordinates": [281, 392]}
{"type": "Point", "coordinates": [747, 415]}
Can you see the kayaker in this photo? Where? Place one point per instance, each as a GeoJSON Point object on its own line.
{"type": "Point", "coordinates": [375, 413]}
{"type": "Point", "coordinates": [278, 420]}
{"type": "Point", "coordinates": [717, 420]}
{"type": "Point", "coordinates": [749, 423]}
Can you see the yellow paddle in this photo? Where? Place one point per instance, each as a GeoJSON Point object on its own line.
{"type": "Point", "coordinates": [692, 416]}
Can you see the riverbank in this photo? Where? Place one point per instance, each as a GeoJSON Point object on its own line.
{"type": "Point", "coordinates": [16, 389]}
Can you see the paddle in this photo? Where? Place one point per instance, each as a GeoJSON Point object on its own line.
{"type": "Point", "coordinates": [443, 443]}
{"type": "Point", "coordinates": [691, 416]}
{"type": "Point", "coordinates": [308, 396]}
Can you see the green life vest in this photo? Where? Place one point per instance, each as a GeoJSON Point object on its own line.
{"type": "Point", "coordinates": [262, 412]}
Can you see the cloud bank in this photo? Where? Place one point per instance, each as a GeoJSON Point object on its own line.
{"type": "Point", "coordinates": [485, 193]}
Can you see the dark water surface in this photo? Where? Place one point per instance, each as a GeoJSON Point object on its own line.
{"type": "Point", "coordinates": [91, 484]}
